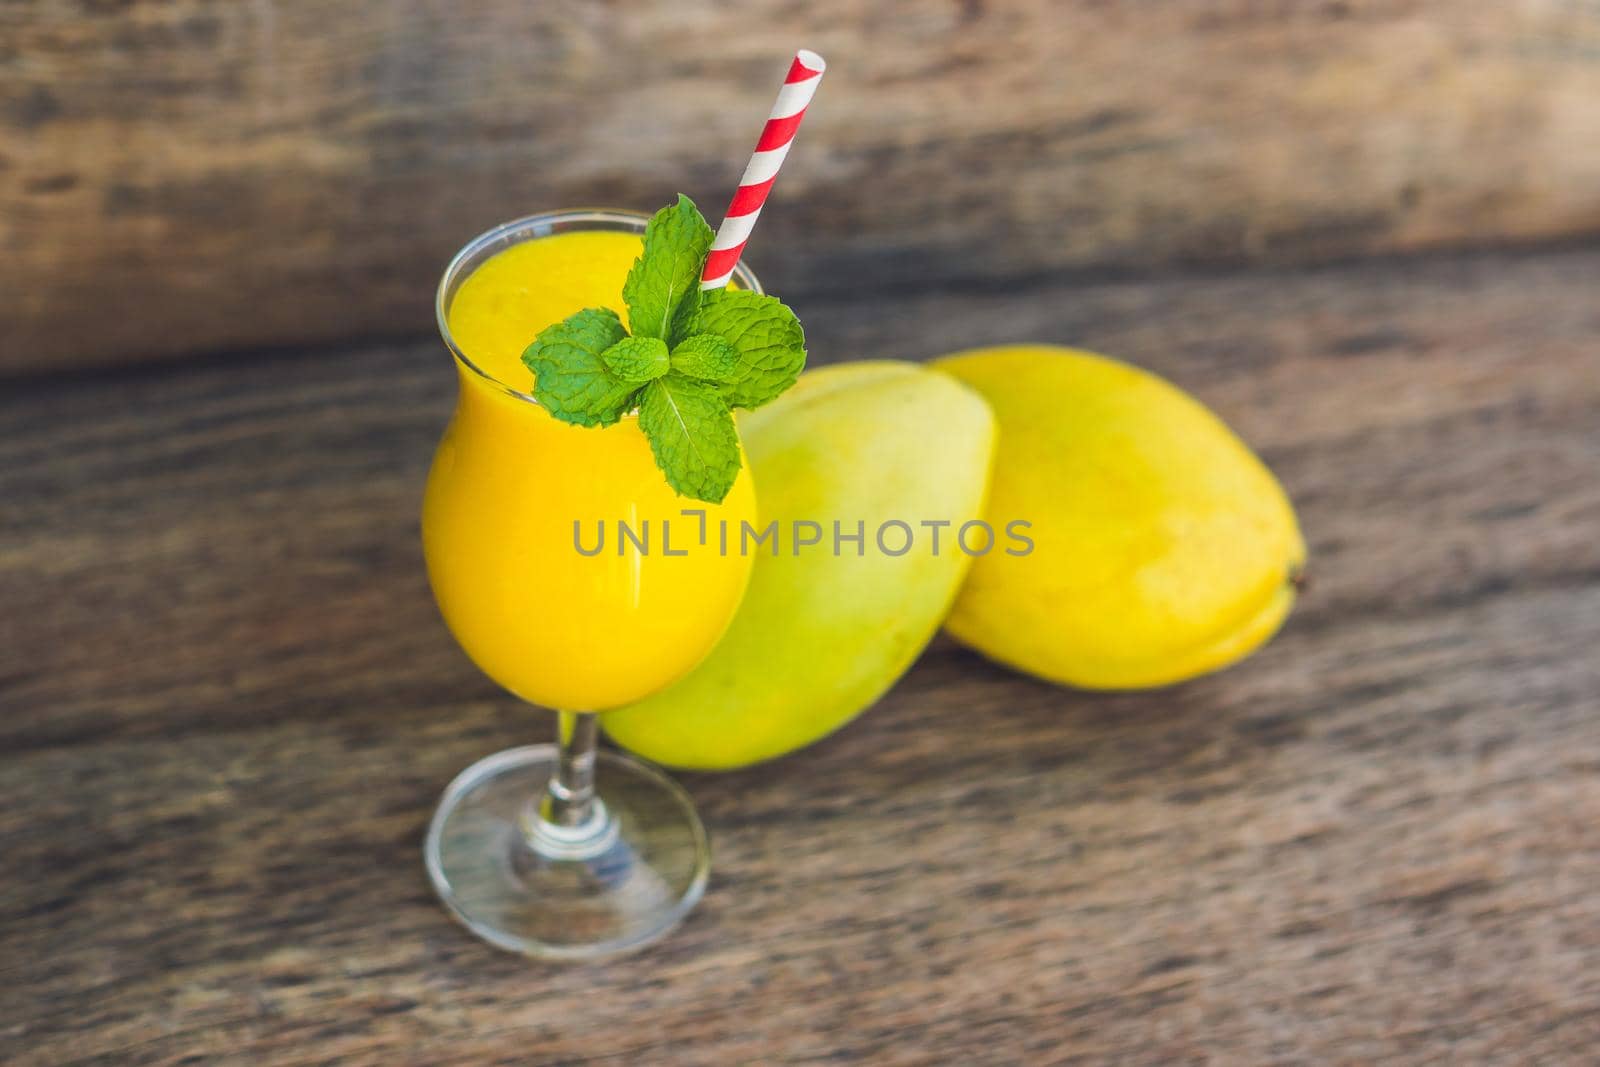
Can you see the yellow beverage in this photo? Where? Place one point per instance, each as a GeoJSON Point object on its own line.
{"type": "Point", "coordinates": [551, 624]}
{"type": "Point", "coordinates": [508, 299]}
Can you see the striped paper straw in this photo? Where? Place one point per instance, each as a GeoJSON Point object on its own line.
{"type": "Point", "coordinates": [776, 137]}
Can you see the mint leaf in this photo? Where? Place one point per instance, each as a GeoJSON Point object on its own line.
{"type": "Point", "coordinates": [769, 339]}
{"type": "Point", "coordinates": [663, 288]}
{"type": "Point", "coordinates": [691, 433]}
{"type": "Point", "coordinates": [707, 357]}
{"type": "Point", "coordinates": [636, 359]}
{"type": "Point", "coordinates": [569, 377]}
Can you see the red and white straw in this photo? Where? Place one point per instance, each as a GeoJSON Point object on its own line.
{"type": "Point", "coordinates": [776, 137]}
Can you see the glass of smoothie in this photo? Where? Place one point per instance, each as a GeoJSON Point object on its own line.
{"type": "Point", "coordinates": [561, 850]}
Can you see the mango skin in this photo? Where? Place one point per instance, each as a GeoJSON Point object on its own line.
{"type": "Point", "coordinates": [1163, 548]}
{"type": "Point", "coordinates": [819, 638]}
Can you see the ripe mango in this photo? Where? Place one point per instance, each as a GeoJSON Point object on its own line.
{"type": "Point", "coordinates": [819, 637]}
{"type": "Point", "coordinates": [1163, 548]}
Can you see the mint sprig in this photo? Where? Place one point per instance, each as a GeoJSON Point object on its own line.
{"type": "Point", "coordinates": [664, 285]}
{"type": "Point", "coordinates": [570, 375]}
{"type": "Point", "coordinates": [707, 357]}
{"type": "Point", "coordinates": [691, 358]}
{"type": "Point", "coordinates": [637, 359]}
{"type": "Point", "coordinates": [692, 436]}
{"type": "Point", "coordinates": [770, 344]}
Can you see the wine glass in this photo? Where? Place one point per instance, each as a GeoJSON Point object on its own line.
{"type": "Point", "coordinates": [562, 850]}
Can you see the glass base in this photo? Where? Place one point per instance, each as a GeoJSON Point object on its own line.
{"type": "Point", "coordinates": [617, 883]}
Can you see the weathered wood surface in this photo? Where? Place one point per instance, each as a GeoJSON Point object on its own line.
{"type": "Point", "coordinates": [182, 176]}
{"type": "Point", "coordinates": [230, 707]}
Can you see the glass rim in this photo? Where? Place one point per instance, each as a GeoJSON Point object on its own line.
{"type": "Point", "coordinates": [527, 228]}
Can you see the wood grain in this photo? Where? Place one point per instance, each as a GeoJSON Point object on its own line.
{"type": "Point", "coordinates": [182, 176]}
{"type": "Point", "coordinates": [230, 708]}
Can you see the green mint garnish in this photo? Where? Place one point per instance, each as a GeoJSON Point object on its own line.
{"type": "Point", "coordinates": [664, 285]}
{"type": "Point", "coordinates": [707, 357]}
{"type": "Point", "coordinates": [691, 359]}
{"type": "Point", "coordinates": [570, 377]}
{"type": "Point", "coordinates": [691, 433]}
{"type": "Point", "coordinates": [766, 335]}
{"type": "Point", "coordinates": [637, 359]}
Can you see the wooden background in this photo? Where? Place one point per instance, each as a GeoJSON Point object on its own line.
{"type": "Point", "coordinates": [182, 176]}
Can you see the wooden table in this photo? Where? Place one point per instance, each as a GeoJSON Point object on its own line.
{"type": "Point", "coordinates": [230, 707]}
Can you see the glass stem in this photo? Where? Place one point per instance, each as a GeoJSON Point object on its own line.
{"type": "Point", "coordinates": [569, 800]}
{"type": "Point", "coordinates": [571, 822]}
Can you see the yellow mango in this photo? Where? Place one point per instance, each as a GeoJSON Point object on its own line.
{"type": "Point", "coordinates": [820, 636]}
{"type": "Point", "coordinates": [1162, 547]}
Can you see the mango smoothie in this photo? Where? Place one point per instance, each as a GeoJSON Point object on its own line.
{"type": "Point", "coordinates": [570, 420]}
{"type": "Point", "coordinates": [511, 488]}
